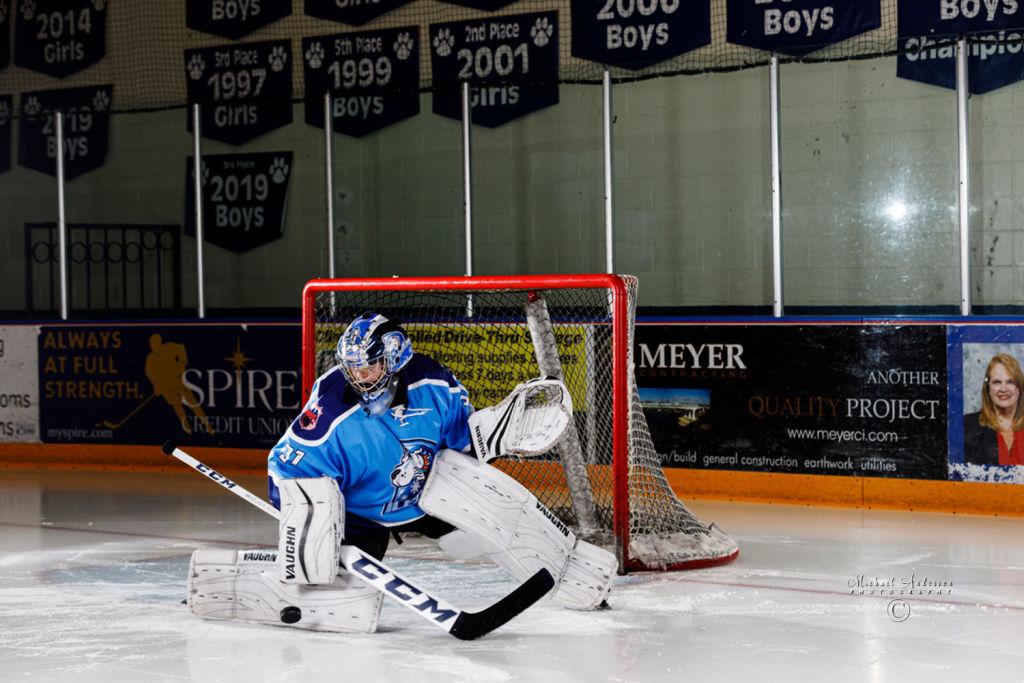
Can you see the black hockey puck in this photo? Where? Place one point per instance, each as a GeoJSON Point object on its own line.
{"type": "Point", "coordinates": [290, 614]}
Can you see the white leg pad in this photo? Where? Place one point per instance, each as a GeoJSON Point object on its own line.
{"type": "Point", "coordinates": [244, 585]}
{"type": "Point", "coordinates": [310, 531]}
{"type": "Point", "coordinates": [588, 577]}
{"type": "Point", "coordinates": [499, 518]}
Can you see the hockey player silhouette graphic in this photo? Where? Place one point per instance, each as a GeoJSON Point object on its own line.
{"type": "Point", "coordinates": [165, 370]}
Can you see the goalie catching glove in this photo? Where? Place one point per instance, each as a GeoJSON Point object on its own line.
{"type": "Point", "coordinates": [529, 421]}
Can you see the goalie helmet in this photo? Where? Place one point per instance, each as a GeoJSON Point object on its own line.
{"type": "Point", "coordinates": [372, 351]}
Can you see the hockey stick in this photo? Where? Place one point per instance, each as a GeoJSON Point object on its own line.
{"type": "Point", "coordinates": [460, 623]}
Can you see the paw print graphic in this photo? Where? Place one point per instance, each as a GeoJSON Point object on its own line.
{"type": "Point", "coordinates": [278, 58]}
{"type": "Point", "coordinates": [195, 67]}
{"type": "Point", "coordinates": [32, 106]}
{"type": "Point", "coordinates": [443, 42]}
{"type": "Point", "coordinates": [101, 101]}
{"type": "Point", "coordinates": [28, 10]}
{"type": "Point", "coordinates": [279, 170]}
{"type": "Point", "coordinates": [99, 5]}
{"type": "Point", "coordinates": [315, 55]}
{"type": "Point", "coordinates": [404, 46]}
{"type": "Point", "coordinates": [541, 32]}
{"type": "Point", "coordinates": [5, 114]}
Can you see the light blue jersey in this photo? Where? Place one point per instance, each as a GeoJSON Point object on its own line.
{"type": "Point", "coordinates": [380, 464]}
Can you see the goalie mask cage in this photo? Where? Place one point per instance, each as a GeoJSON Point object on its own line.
{"type": "Point", "coordinates": [604, 478]}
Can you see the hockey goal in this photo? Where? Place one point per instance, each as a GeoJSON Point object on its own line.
{"type": "Point", "coordinates": [604, 479]}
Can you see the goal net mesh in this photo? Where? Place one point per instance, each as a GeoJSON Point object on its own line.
{"type": "Point", "coordinates": [493, 340]}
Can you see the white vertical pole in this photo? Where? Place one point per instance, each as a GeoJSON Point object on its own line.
{"type": "Point", "coordinates": [197, 188]}
{"type": "Point", "coordinates": [62, 227]}
{"type": "Point", "coordinates": [964, 171]}
{"type": "Point", "coordinates": [609, 232]}
{"type": "Point", "coordinates": [329, 180]}
{"type": "Point", "coordinates": [467, 191]}
{"type": "Point", "coordinates": [773, 94]}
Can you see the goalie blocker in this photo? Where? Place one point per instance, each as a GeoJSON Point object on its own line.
{"type": "Point", "coordinates": [499, 518]}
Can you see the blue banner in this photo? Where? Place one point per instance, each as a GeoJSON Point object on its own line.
{"type": "Point", "coordinates": [205, 385]}
{"type": "Point", "coordinates": [244, 197]}
{"type": "Point", "coordinates": [5, 35]}
{"type": "Point", "coordinates": [86, 129]}
{"type": "Point", "coordinates": [511, 63]}
{"type": "Point", "coordinates": [59, 37]}
{"type": "Point", "coordinates": [486, 5]}
{"type": "Point", "coordinates": [6, 110]}
{"type": "Point", "coordinates": [234, 18]}
{"type": "Point", "coordinates": [993, 61]}
{"type": "Point", "coordinates": [798, 27]}
{"type": "Point", "coordinates": [635, 34]}
{"type": "Point", "coordinates": [354, 13]}
{"type": "Point", "coordinates": [957, 17]}
{"type": "Point", "coordinates": [373, 78]}
{"type": "Point", "coordinates": [245, 90]}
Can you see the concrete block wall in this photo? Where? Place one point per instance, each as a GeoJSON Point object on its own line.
{"type": "Point", "coordinates": [869, 173]}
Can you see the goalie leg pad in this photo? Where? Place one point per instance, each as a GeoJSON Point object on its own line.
{"type": "Point", "coordinates": [588, 577]}
{"type": "Point", "coordinates": [243, 585]}
{"type": "Point", "coordinates": [310, 530]}
{"type": "Point", "coordinates": [499, 518]}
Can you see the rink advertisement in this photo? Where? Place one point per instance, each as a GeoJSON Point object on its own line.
{"type": "Point", "coordinates": [510, 62]}
{"type": "Point", "coordinates": [245, 90]}
{"type": "Point", "coordinates": [816, 399]}
{"type": "Point", "coordinates": [985, 376]}
{"type": "Point", "coordinates": [373, 78]}
{"type": "Point", "coordinates": [19, 393]}
{"type": "Point", "coordinates": [206, 385]}
{"type": "Point", "coordinates": [635, 35]}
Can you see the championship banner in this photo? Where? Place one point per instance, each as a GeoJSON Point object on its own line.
{"type": "Point", "coordinates": [363, 71]}
{"type": "Point", "coordinates": [19, 394]}
{"type": "Point", "coordinates": [5, 33]}
{"type": "Point", "coordinates": [6, 110]}
{"type": "Point", "coordinates": [86, 129]}
{"type": "Point", "coordinates": [927, 34]}
{"type": "Point", "coordinates": [635, 34]}
{"type": "Point", "coordinates": [245, 90]}
{"type": "Point", "coordinates": [812, 399]}
{"type": "Point", "coordinates": [981, 360]}
{"type": "Point", "coordinates": [204, 385]}
{"type": "Point", "coordinates": [234, 18]}
{"type": "Point", "coordinates": [244, 197]}
{"type": "Point", "coordinates": [494, 54]}
{"type": "Point", "coordinates": [798, 27]}
{"type": "Point", "coordinates": [354, 13]}
{"type": "Point", "coordinates": [59, 37]}
{"type": "Point", "coordinates": [952, 18]}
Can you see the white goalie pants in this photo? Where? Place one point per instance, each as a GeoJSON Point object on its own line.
{"type": "Point", "coordinates": [499, 518]}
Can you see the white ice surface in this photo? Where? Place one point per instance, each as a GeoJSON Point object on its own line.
{"type": "Point", "coordinates": [92, 574]}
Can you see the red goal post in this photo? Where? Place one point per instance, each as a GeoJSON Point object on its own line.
{"type": "Point", "coordinates": [604, 478]}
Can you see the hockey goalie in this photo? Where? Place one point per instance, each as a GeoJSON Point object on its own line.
{"type": "Point", "coordinates": [388, 442]}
